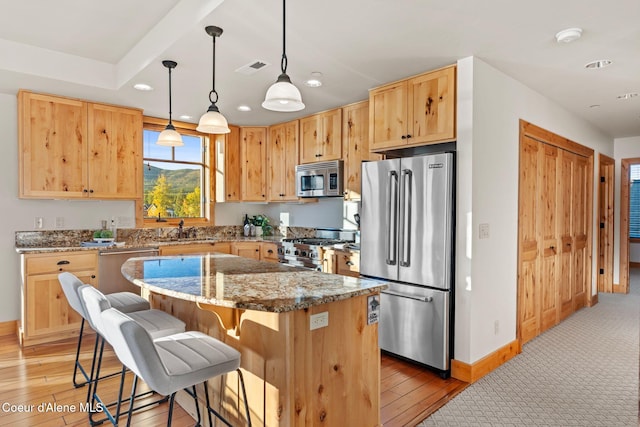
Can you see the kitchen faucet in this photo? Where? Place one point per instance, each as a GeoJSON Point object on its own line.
{"type": "Point", "coordinates": [180, 231]}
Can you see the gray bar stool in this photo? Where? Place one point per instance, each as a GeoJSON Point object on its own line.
{"type": "Point", "coordinates": [172, 363]}
{"type": "Point", "coordinates": [126, 302]}
{"type": "Point", "coordinates": [156, 322]}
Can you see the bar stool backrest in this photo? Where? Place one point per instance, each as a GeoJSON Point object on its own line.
{"type": "Point", "coordinates": [135, 348]}
{"type": "Point", "coordinates": [70, 285]}
{"type": "Point", "coordinates": [95, 302]}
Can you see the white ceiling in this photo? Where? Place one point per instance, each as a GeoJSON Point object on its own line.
{"type": "Point", "coordinates": [98, 50]}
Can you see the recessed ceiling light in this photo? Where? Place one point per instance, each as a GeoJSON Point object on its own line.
{"type": "Point", "coordinates": [601, 63]}
{"type": "Point", "coordinates": [627, 96]}
{"type": "Point", "coordinates": [186, 117]}
{"type": "Point", "coordinates": [142, 86]}
{"type": "Point", "coordinates": [244, 108]}
{"type": "Point", "coordinates": [314, 81]}
{"type": "Point", "coordinates": [568, 35]}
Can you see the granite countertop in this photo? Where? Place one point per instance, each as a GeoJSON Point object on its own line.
{"type": "Point", "coordinates": [236, 282]}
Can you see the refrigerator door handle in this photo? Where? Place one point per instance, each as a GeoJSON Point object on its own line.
{"type": "Point", "coordinates": [405, 257]}
{"type": "Point", "coordinates": [392, 196]}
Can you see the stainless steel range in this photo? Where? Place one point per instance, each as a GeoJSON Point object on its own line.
{"type": "Point", "coordinates": [308, 252]}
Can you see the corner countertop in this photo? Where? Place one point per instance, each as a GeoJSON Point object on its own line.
{"type": "Point", "coordinates": [242, 283]}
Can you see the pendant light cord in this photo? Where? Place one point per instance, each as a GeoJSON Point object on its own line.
{"type": "Point", "coordinates": [170, 97]}
{"type": "Point", "coordinates": [283, 62]}
{"type": "Point", "coordinates": [213, 75]}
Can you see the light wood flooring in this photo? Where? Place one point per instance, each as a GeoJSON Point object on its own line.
{"type": "Point", "coordinates": [42, 374]}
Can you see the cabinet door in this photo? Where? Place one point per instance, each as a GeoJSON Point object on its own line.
{"type": "Point", "coordinates": [233, 167]}
{"type": "Point", "coordinates": [291, 130]}
{"type": "Point", "coordinates": [355, 146]}
{"type": "Point", "coordinates": [310, 137]}
{"type": "Point", "coordinates": [114, 156]}
{"type": "Point", "coordinates": [52, 146]}
{"type": "Point", "coordinates": [347, 263]}
{"type": "Point", "coordinates": [276, 163]}
{"type": "Point", "coordinates": [431, 111]}
{"type": "Point", "coordinates": [46, 311]}
{"type": "Point", "coordinates": [254, 154]}
{"type": "Point", "coordinates": [269, 252]}
{"type": "Point", "coordinates": [388, 116]}
{"type": "Point", "coordinates": [331, 142]}
{"type": "Point", "coordinates": [246, 249]}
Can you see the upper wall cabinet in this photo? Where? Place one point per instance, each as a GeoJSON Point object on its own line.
{"type": "Point", "coordinates": [228, 166]}
{"type": "Point", "coordinates": [72, 149]}
{"type": "Point", "coordinates": [282, 158]}
{"type": "Point", "coordinates": [253, 155]}
{"type": "Point", "coordinates": [416, 111]}
{"type": "Point", "coordinates": [321, 137]}
{"type": "Point", "coordinates": [355, 146]}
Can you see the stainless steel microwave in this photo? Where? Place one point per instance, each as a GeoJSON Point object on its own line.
{"type": "Point", "coordinates": [321, 179]}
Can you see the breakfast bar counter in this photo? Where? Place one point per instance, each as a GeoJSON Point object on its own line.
{"type": "Point", "coordinates": [309, 340]}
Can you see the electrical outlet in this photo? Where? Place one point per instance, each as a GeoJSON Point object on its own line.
{"type": "Point", "coordinates": [320, 320]}
{"type": "Point", "coordinates": [496, 327]}
{"type": "Point", "coordinates": [59, 222]}
{"type": "Point", "coordinates": [484, 231]}
{"type": "Point", "coordinates": [38, 223]}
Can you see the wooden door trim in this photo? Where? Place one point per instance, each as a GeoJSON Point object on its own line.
{"type": "Point", "coordinates": [539, 134]}
{"type": "Point", "coordinates": [623, 286]}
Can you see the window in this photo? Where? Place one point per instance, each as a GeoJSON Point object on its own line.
{"type": "Point", "coordinates": [176, 179]}
{"type": "Point", "coordinates": [634, 201]}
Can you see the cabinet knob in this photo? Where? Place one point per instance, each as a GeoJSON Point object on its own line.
{"type": "Point", "coordinates": [85, 190]}
{"type": "Point", "coordinates": [270, 251]}
{"type": "Point", "coordinates": [90, 191]}
{"type": "Point", "coordinates": [349, 263]}
{"type": "Point", "coordinates": [408, 136]}
{"type": "Point", "coordinates": [93, 276]}
{"type": "Point", "coordinates": [63, 262]}
{"type": "Point", "coordinates": [404, 137]}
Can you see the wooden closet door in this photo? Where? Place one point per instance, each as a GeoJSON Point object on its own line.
{"type": "Point", "coordinates": [565, 226]}
{"type": "Point", "coordinates": [528, 279]}
{"type": "Point", "coordinates": [580, 224]}
{"type": "Point", "coordinates": [547, 208]}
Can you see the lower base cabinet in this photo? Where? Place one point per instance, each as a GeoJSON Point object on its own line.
{"type": "Point", "coordinates": [46, 314]}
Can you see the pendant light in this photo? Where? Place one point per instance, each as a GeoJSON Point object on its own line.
{"type": "Point", "coordinates": [212, 121]}
{"type": "Point", "coordinates": [283, 95]}
{"type": "Point", "coordinates": [169, 137]}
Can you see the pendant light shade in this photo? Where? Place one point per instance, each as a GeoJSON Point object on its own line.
{"type": "Point", "coordinates": [283, 95]}
{"type": "Point", "coordinates": [169, 137]}
{"type": "Point", "coordinates": [213, 121]}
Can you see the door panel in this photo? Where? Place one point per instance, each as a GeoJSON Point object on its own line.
{"type": "Point", "coordinates": [549, 230]}
{"type": "Point", "coordinates": [565, 217]}
{"type": "Point", "coordinates": [528, 300]}
{"type": "Point", "coordinates": [378, 240]}
{"type": "Point", "coordinates": [580, 286]}
{"type": "Point", "coordinates": [424, 245]}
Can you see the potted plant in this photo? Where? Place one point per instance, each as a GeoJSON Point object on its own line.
{"type": "Point", "coordinates": [262, 225]}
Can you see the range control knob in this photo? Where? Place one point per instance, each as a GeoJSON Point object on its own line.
{"type": "Point", "coordinates": [296, 252]}
{"type": "Point", "coordinates": [312, 254]}
{"type": "Point", "coordinates": [304, 253]}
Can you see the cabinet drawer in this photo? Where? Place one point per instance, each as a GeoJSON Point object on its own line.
{"type": "Point", "coordinates": [269, 252]}
{"type": "Point", "coordinates": [348, 263]}
{"type": "Point", "coordinates": [69, 261]}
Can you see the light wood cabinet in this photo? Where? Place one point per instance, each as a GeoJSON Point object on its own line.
{"type": "Point", "coordinates": [269, 252]}
{"type": "Point", "coordinates": [416, 111]}
{"type": "Point", "coordinates": [196, 248]}
{"type": "Point", "coordinates": [282, 158]}
{"type": "Point", "coordinates": [72, 149]}
{"type": "Point", "coordinates": [347, 263]}
{"type": "Point", "coordinates": [246, 249]}
{"type": "Point", "coordinates": [321, 137]}
{"type": "Point", "coordinates": [46, 315]}
{"type": "Point", "coordinates": [253, 155]}
{"type": "Point", "coordinates": [355, 146]}
{"type": "Point", "coordinates": [228, 146]}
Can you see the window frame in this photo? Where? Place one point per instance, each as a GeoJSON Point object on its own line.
{"type": "Point", "coordinates": [157, 124]}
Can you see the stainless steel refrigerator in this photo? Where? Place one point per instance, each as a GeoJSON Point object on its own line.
{"type": "Point", "coordinates": [406, 237]}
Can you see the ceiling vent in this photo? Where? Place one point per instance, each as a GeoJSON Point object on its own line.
{"type": "Point", "coordinates": [252, 67]}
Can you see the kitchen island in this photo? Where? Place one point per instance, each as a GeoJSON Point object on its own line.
{"type": "Point", "coordinates": [309, 340]}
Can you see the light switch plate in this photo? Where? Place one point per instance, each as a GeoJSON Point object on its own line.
{"type": "Point", "coordinates": [484, 231]}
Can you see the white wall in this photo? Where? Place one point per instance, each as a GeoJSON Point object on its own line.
{"type": "Point", "coordinates": [497, 103]}
{"type": "Point", "coordinates": [624, 148]}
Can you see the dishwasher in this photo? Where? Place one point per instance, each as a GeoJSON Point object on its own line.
{"type": "Point", "coordinates": [110, 261]}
